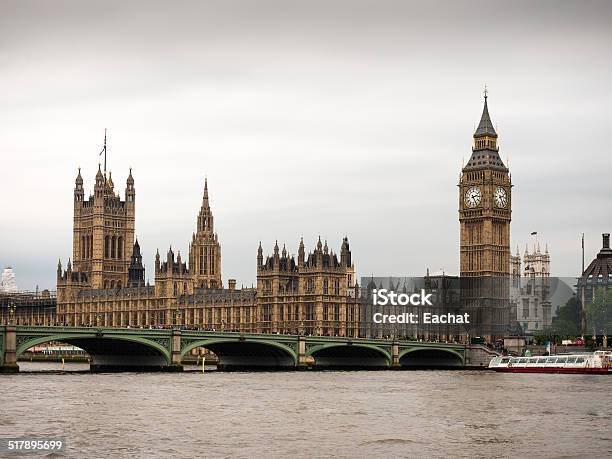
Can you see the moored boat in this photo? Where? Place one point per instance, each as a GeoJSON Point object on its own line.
{"type": "Point", "coordinates": [599, 362]}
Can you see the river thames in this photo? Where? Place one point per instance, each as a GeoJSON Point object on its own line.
{"type": "Point", "coordinates": [309, 414]}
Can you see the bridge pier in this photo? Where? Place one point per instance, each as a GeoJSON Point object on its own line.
{"type": "Point", "coordinates": [9, 350]}
{"type": "Point", "coordinates": [395, 360]}
{"type": "Point", "coordinates": [302, 362]}
{"type": "Point", "coordinates": [175, 361]}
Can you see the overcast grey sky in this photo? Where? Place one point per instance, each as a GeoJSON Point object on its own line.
{"type": "Point", "coordinates": [309, 118]}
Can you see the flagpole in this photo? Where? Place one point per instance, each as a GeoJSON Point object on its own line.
{"type": "Point", "coordinates": [582, 254]}
{"type": "Point", "coordinates": [104, 152]}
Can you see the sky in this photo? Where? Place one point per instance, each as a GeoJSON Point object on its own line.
{"type": "Point", "coordinates": [327, 118]}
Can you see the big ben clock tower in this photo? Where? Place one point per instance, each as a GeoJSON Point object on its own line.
{"type": "Point", "coordinates": [484, 216]}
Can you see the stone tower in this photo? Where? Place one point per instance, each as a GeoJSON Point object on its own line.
{"type": "Point", "coordinates": [103, 231]}
{"type": "Point", "coordinates": [484, 216]}
{"type": "Point", "coordinates": [204, 249]}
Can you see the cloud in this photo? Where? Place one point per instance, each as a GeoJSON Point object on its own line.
{"type": "Point", "coordinates": [313, 118]}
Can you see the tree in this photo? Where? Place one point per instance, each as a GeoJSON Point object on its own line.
{"type": "Point", "coordinates": [566, 324]}
{"type": "Point", "coordinates": [599, 312]}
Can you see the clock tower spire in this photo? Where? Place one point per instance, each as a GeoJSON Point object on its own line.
{"type": "Point", "coordinates": [484, 219]}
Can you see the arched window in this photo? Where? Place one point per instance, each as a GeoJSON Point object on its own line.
{"type": "Point", "coordinates": [112, 284]}
{"type": "Point", "coordinates": [113, 247]}
{"type": "Point", "coordinates": [175, 288]}
{"type": "Point", "coordinates": [120, 248]}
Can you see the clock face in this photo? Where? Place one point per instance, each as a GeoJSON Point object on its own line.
{"type": "Point", "coordinates": [501, 198]}
{"type": "Point", "coordinates": [472, 197]}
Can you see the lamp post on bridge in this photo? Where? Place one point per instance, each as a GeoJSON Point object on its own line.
{"type": "Point", "coordinates": [11, 311]}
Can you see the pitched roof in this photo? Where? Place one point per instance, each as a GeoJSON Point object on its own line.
{"type": "Point", "coordinates": [485, 127]}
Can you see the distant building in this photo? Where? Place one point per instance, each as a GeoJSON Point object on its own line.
{"type": "Point", "coordinates": [530, 289]}
{"type": "Point", "coordinates": [7, 282]}
{"type": "Point", "coordinates": [28, 308]}
{"type": "Point", "coordinates": [597, 275]}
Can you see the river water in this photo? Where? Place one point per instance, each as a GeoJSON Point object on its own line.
{"type": "Point", "coordinates": [309, 414]}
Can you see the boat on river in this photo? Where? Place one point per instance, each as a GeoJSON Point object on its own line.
{"type": "Point", "coordinates": [599, 362]}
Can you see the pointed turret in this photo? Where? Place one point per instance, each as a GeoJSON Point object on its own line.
{"type": "Point", "coordinates": [78, 190]}
{"type": "Point", "coordinates": [301, 252]}
{"type": "Point", "coordinates": [136, 271]}
{"type": "Point", "coordinates": [485, 127]}
{"type": "Point", "coordinates": [109, 182]}
{"type": "Point", "coordinates": [259, 255]}
{"type": "Point", "coordinates": [79, 180]}
{"type": "Point", "coordinates": [345, 253]}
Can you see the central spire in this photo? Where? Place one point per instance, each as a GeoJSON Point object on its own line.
{"type": "Point", "coordinates": [205, 218]}
{"type": "Point", "coordinates": [205, 199]}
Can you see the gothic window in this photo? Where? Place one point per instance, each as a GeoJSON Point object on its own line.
{"type": "Point", "coordinates": [267, 316]}
{"type": "Point", "coordinates": [325, 286]}
{"type": "Point", "coordinates": [113, 247]}
{"type": "Point", "coordinates": [310, 311]}
{"type": "Point", "coordinates": [120, 248]}
{"type": "Point", "coordinates": [336, 313]}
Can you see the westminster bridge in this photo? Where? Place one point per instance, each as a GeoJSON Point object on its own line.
{"type": "Point", "coordinates": [117, 349]}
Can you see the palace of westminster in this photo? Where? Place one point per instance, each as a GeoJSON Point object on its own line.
{"type": "Point", "coordinates": [103, 284]}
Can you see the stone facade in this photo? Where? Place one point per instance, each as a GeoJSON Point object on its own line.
{"type": "Point", "coordinates": [317, 294]}
{"type": "Point", "coordinates": [313, 295]}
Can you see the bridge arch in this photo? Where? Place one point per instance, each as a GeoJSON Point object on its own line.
{"type": "Point", "coordinates": [430, 357]}
{"type": "Point", "coordinates": [349, 355]}
{"type": "Point", "coordinates": [109, 351]}
{"type": "Point", "coordinates": [247, 354]}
